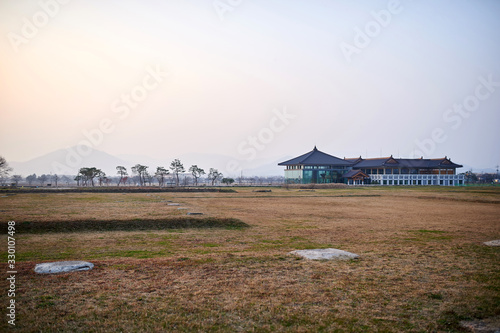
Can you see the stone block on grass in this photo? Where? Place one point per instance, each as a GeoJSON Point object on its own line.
{"type": "Point", "coordinates": [63, 267]}
{"type": "Point", "coordinates": [325, 254]}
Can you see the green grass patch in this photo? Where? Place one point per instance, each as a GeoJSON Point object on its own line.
{"type": "Point", "coordinates": [210, 245]}
{"type": "Point", "coordinates": [430, 231]}
{"type": "Point", "coordinates": [139, 254]}
{"type": "Point", "coordinates": [423, 235]}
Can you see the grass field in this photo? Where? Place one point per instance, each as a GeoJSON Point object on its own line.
{"type": "Point", "coordinates": [423, 266]}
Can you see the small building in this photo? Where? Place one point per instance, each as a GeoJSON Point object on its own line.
{"type": "Point", "coordinates": [357, 177]}
{"type": "Point", "coordinates": [318, 167]}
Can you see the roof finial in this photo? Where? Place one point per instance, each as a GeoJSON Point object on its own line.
{"type": "Point", "coordinates": [315, 148]}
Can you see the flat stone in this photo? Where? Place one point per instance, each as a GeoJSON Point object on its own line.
{"type": "Point", "coordinates": [191, 213]}
{"type": "Point", "coordinates": [173, 204]}
{"type": "Point", "coordinates": [325, 254]}
{"type": "Point", "coordinates": [495, 242]}
{"type": "Point", "coordinates": [488, 325]}
{"type": "Point", "coordinates": [63, 267]}
{"type": "Point", "coordinates": [182, 208]}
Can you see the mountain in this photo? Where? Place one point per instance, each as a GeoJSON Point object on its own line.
{"type": "Point", "coordinates": [68, 161]}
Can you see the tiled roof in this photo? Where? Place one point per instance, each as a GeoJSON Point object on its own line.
{"type": "Point", "coordinates": [352, 173]}
{"type": "Point", "coordinates": [407, 163]}
{"type": "Point", "coordinates": [373, 162]}
{"type": "Point", "coordinates": [316, 157]}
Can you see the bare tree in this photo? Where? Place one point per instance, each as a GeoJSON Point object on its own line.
{"type": "Point", "coordinates": [66, 179]}
{"type": "Point", "coordinates": [5, 169]}
{"type": "Point", "coordinates": [31, 178]}
{"type": "Point", "coordinates": [42, 179]}
{"type": "Point", "coordinates": [55, 178]}
{"type": "Point", "coordinates": [16, 179]}
{"type": "Point", "coordinates": [148, 178]}
{"type": "Point", "coordinates": [176, 167]}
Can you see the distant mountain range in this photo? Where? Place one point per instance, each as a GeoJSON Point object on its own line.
{"type": "Point", "coordinates": [68, 161]}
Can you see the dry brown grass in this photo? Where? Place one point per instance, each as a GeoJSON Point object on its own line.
{"type": "Point", "coordinates": [423, 266]}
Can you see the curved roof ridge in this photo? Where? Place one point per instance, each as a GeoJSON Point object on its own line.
{"type": "Point", "coordinates": [316, 157]}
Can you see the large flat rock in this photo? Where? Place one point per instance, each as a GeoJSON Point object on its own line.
{"type": "Point", "coordinates": [63, 267]}
{"type": "Point", "coordinates": [488, 325]}
{"type": "Point", "coordinates": [495, 242]}
{"type": "Point", "coordinates": [325, 254]}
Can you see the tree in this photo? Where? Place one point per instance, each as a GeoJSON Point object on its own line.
{"type": "Point", "coordinates": [227, 181]}
{"type": "Point", "coordinates": [78, 178]}
{"type": "Point", "coordinates": [5, 169]}
{"type": "Point", "coordinates": [148, 178]}
{"type": "Point", "coordinates": [101, 176]}
{"type": "Point", "coordinates": [141, 171]}
{"type": "Point", "coordinates": [214, 175]}
{"type": "Point", "coordinates": [55, 178]}
{"type": "Point", "coordinates": [196, 172]}
{"type": "Point", "coordinates": [122, 171]}
{"type": "Point", "coordinates": [470, 177]}
{"type": "Point", "coordinates": [31, 178]}
{"type": "Point", "coordinates": [160, 174]}
{"type": "Point", "coordinates": [176, 167]}
{"type": "Point", "coordinates": [88, 175]}
{"type": "Point", "coordinates": [123, 181]}
{"type": "Point", "coordinates": [66, 179]}
{"type": "Point", "coordinates": [16, 179]}
{"type": "Point", "coordinates": [42, 179]}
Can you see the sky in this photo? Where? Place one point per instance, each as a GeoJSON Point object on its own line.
{"type": "Point", "coordinates": [252, 80]}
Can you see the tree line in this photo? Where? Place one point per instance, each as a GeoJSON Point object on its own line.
{"type": "Point", "coordinates": [175, 175]}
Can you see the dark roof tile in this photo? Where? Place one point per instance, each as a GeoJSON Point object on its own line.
{"type": "Point", "coordinates": [316, 157]}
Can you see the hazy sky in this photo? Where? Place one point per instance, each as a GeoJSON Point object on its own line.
{"type": "Point", "coordinates": [252, 79]}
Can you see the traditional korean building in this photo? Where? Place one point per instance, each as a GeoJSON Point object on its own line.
{"type": "Point", "coordinates": [319, 167]}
